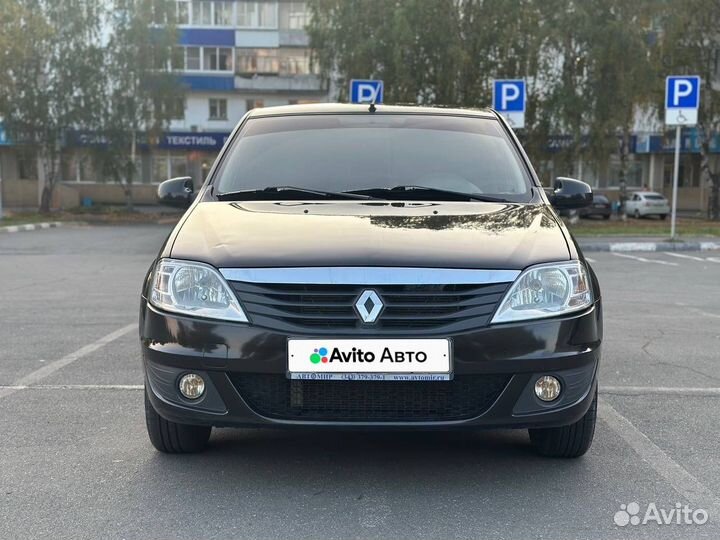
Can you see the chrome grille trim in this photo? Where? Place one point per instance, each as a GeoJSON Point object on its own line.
{"type": "Point", "coordinates": [368, 275]}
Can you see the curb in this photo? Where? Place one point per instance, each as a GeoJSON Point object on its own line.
{"type": "Point", "coordinates": [651, 246]}
{"type": "Point", "coordinates": [31, 226]}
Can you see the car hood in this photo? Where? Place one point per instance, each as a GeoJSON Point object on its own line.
{"type": "Point", "coordinates": [370, 233]}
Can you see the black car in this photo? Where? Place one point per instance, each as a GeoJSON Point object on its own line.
{"type": "Point", "coordinates": [600, 206]}
{"type": "Point", "coordinates": [376, 267]}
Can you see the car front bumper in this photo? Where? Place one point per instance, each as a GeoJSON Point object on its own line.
{"type": "Point", "coordinates": [230, 356]}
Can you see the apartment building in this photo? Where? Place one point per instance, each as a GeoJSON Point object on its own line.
{"type": "Point", "coordinates": [235, 55]}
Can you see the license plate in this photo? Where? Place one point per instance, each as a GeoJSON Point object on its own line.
{"type": "Point", "coordinates": [370, 359]}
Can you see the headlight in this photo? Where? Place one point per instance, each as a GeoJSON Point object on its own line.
{"type": "Point", "coordinates": [195, 289]}
{"type": "Point", "coordinates": [546, 290]}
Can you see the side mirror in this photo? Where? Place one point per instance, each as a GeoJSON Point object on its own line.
{"type": "Point", "coordinates": [569, 193]}
{"type": "Point", "coordinates": [178, 192]}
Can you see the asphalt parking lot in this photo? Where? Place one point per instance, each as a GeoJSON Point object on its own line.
{"type": "Point", "coordinates": [76, 462]}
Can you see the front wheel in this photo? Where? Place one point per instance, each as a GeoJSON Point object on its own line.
{"type": "Point", "coordinates": [663, 216]}
{"type": "Point", "coordinates": [636, 214]}
{"type": "Point", "coordinates": [171, 437]}
{"type": "Point", "coordinates": [567, 441]}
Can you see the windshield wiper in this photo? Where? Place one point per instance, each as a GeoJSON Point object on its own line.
{"type": "Point", "coordinates": [456, 195]}
{"type": "Point", "coordinates": [270, 193]}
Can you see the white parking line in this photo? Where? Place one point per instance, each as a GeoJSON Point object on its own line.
{"type": "Point", "coordinates": [643, 259]}
{"type": "Point", "coordinates": [52, 367]}
{"type": "Point", "coordinates": [680, 255]}
{"type": "Point", "coordinates": [713, 259]}
{"type": "Point", "coordinates": [73, 386]}
{"type": "Point", "coordinates": [660, 391]}
{"type": "Point", "coordinates": [680, 479]}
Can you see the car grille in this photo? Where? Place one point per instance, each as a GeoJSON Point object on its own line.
{"type": "Point", "coordinates": [409, 309]}
{"type": "Point", "coordinates": [275, 396]}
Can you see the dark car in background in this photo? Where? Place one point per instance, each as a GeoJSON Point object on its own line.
{"type": "Point", "coordinates": [374, 267]}
{"type": "Point", "coordinates": [600, 207]}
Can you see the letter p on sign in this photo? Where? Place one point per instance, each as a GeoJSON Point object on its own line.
{"type": "Point", "coordinates": [682, 100]}
{"type": "Point", "coordinates": [366, 91]}
{"type": "Point", "coordinates": [509, 100]}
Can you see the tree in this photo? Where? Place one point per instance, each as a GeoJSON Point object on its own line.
{"type": "Point", "coordinates": [143, 93]}
{"type": "Point", "coordinates": [689, 45]}
{"type": "Point", "coordinates": [586, 63]}
{"type": "Point", "coordinates": [51, 77]}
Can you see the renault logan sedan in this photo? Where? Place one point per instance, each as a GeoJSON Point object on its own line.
{"type": "Point", "coordinates": [647, 203]}
{"type": "Point", "coordinates": [375, 267]}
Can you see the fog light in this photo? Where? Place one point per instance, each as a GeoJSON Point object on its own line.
{"type": "Point", "coordinates": [192, 386]}
{"type": "Point", "coordinates": [547, 388]}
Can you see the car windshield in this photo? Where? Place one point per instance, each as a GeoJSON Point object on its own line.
{"type": "Point", "coordinates": [372, 153]}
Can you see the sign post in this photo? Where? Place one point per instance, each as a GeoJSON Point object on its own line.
{"type": "Point", "coordinates": [366, 91]}
{"type": "Point", "coordinates": [682, 101]}
{"type": "Point", "coordinates": [3, 141]}
{"type": "Point", "coordinates": [509, 100]}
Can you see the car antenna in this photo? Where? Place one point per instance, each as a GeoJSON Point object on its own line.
{"type": "Point", "coordinates": [372, 106]}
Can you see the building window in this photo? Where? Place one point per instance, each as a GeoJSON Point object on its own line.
{"type": "Point", "coordinates": [173, 109]}
{"type": "Point", "coordinates": [282, 62]}
{"type": "Point", "coordinates": [257, 61]}
{"type": "Point", "coordinates": [217, 109]}
{"type": "Point", "coordinates": [168, 165]}
{"type": "Point", "coordinates": [204, 59]}
{"type": "Point", "coordinates": [183, 12]}
{"type": "Point", "coordinates": [251, 104]}
{"type": "Point", "coordinates": [295, 62]}
{"type": "Point", "coordinates": [202, 13]}
{"type": "Point", "coordinates": [192, 58]}
{"type": "Point", "coordinates": [257, 14]}
{"type": "Point", "coordinates": [177, 109]}
{"type": "Point", "coordinates": [217, 59]}
{"type": "Point", "coordinates": [177, 60]}
{"type": "Point", "coordinates": [297, 15]}
{"type": "Point", "coordinates": [27, 165]}
{"type": "Point", "coordinates": [223, 13]}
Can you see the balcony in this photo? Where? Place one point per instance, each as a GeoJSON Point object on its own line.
{"type": "Point", "coordinates": [301, 84]}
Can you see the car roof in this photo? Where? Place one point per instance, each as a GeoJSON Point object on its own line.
{"type": "Point", "coordinates": [346, 108]}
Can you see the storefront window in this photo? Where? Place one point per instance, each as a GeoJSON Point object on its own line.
{"type": "Point", "coordinates": [168, 165]}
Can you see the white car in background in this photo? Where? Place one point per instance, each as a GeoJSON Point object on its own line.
{"type": "Point", "coordinates": [647, 203]}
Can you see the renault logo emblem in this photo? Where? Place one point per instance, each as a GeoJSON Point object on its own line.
{"type": "Point", "coordinates": [369, 306]}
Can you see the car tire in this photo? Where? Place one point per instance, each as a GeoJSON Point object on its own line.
{"type": "Point", "coordinates": [636, 214]}
{"type": "Point", "coordinates": [606, 216]}
{"type": "Point", "coordinates": [663, 216]}
{"type": "Point", "coordinates": [567, 441]}
{"type": "Point", "coordinates": [173, 438]}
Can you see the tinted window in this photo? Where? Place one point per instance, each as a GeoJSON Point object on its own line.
{"type": "Point", "coordinates": [654, 197]}
{"type": "Point", "coordinates": [600, 199]}
{"type": "Point", "coordinates": [351, 152]}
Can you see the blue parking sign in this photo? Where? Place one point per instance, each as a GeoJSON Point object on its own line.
{"type": "Point", "coordinates": [366, 91]}
{"type": "Point", "coordinates": [509, 100]}
{"type": "Point", "coordinates": [682, 100]}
